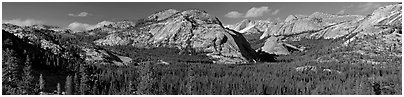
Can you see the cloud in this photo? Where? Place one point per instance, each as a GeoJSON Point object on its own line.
{"type": "Point", "coordinates": [275, 12]}
{"type": "Point", "coordinates": [257, 12]}
{"type": "Point", "coordinates": [234, 14]}
{"type": "Point", "coordinates": [81, 14]}
{"type": "Point", "coordinates": [253, 12]}
{"type": "Point", "coordinates": [341, 12]}
{"type": "Point", "coordinates": [76, 26]}
{"type": "Point", "coordinates": [26, 22]}
{"type": "Point", "coordinates": [364, 7]}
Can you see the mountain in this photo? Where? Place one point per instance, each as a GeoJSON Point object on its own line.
{"type": "Point", "coordinates": [376, 39]}
{"type": "Point", "coordinates": [252, 30]}
{"type": "Point", "coordinates": [190, 31]}
{"type": "Point", "coordinates": [328, 26]}
{"type": "Point", "coordinates": [251, 26]}
{"type": "Point", "coordinates": [62, 44]}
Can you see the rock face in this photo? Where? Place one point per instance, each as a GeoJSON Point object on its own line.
{"type": "Point", "coordinates": [328, 26]}
{"type": "Point", "coordinates": [190, 30]}
{"type": "Point", "coordinates": [381, 21]}
{"type": "Point", "coordinates": [94, 54]}
{"type": "Point", "coordinates": [273, 45]}
{"type": "Point", "coordinates": [252, 30]}
{"type": "Point", "coordinates": [251, 26]}
{"type": "Point", "coordinates": [106, 27]}
{"type": "Point", "coordinates": [377, 41]}
{"type": "Point", "coordinates": [331, 26]}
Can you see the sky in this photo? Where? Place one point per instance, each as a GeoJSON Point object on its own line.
{"type": "Point", "coordinates": [72, 14]}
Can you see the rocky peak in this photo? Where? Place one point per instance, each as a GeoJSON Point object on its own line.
{"type": "Point", "coordinates": [296, 24]}
{"type": "Point", "coordinates": [390, 14]}
{"type": "Point", "coordinates": [382, 19]}
{"type": "Point", "coordinates": [199, 17]}
{"type": "Point", "coordinates": [321, 15]}
{"type": "Point", "coordinates": [247, 26]}
{"type": "Point", "coordinates": [108, 27]}
{"type": "Point", "coordinates": [162, 14]}
{"type": "Point", "coordinates": [189, 30]}
{"type": "Point", "coordinates": [329, 26]}
{"type": "Point", "coordinates": [294, 17]}
{"type": "Point", "coordinates": [376, 40]}
{"type": "Point", "coordinates": [246, 23]}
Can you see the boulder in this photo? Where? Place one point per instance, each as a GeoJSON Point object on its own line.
{"type": "Point", "coordinates": [273, 45]}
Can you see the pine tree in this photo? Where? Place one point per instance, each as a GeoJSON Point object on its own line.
{"type": "Point", "coordinates": [94, 88]}
{"type": "Point", "coordinates": [190, 79]}
{"type": "Point", "coordinates": [28, 85]}
{"type": "Point", "coordinates": [111, 89]}
{"type": "Point", "coordinates": [130, 87]}
{"type": "Point", "coordinates": [76, 83]}
{"type": "Point", "coordinates": [69, 86]}
{"type": "Point", "coordinates": [83, 80]}
{"type": "Point", "coordinates": [58, 89]}
{"type": "Point", "coordinates": [41, 83]}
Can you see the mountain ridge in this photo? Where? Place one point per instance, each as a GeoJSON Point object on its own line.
{"type": "Point", "coordinates": [323, 25]}
{"type": "Point", "coordinates": [192, 30]}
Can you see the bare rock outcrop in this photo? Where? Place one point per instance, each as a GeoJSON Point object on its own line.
{"type": "Point", "coordinates": [325, 25]}
{"type": "Point", "coordinates": [273, 45]}
{"type": "Point", "coordinates": [251, 26]}
{"type": "Point", "coordinates": [328, 26]}
{"type": "Point", "coordinates": [189, 30]}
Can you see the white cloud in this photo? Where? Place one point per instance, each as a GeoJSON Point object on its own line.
{"type": "Point", "coordinates": [257, 12]}
{"type": "Point", "coordinates": [81, 14]}
{"type": "Point", "coordinates": [76, 26]}
{"type": "Point", "coordinates": [71, 14]}
{"type": "Point", "coordinates": [341, 12]}
{"type": "Point", "coordinates": [364, 7]}
{"type": "Point", "coordinates": [234, 14]}
{"type": "Point", "coordinates": [253, 12]}
{"type": "Point", "coordinates": [26, 22]}
{"type": "Point", "coordinates": [275, 12]}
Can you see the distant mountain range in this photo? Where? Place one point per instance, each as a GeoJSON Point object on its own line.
{"type": "Point", "coordinates": [347, 29]}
